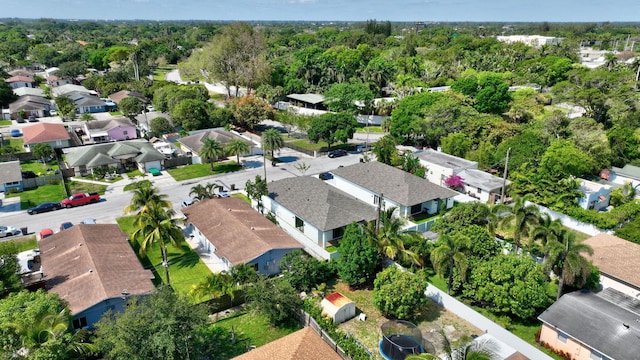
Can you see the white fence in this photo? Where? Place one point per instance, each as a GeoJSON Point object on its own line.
{"type": "Point", "coordinates": [569, 222]}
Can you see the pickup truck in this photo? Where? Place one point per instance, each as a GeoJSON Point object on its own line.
{"type": "Point", "coordinates": [80, 199]}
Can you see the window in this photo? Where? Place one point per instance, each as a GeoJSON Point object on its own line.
{"type": "Point", "coordinates": [125, 132]}
{"type": "Point", "coordinates": [256, 267]}
{"type": "Point", "coordinates": [562, 337]}
{"type": "Point", "coordinates": [80, 323]}
{"type": "Point", "coordinates": [416, 208]}
{"type": "Point", "coordinates": [479, 191]}
{"type": "Point", "coordinates": [337, 233]}
{"type": "Point", "coordinates": [299, 224]}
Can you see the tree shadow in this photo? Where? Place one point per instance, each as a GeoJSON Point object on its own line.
{"type": "Point", "coordinates": [288, 159]}
{"type": "Point", "coordinates": [187, 258]}
{"type": "Point", "coordinates": [252, 164]}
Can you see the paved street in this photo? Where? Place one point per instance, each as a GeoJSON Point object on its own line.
{"type": "Point", "coordinates": [115, 199]}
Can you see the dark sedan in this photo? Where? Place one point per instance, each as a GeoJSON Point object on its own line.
{"type": "Point", "coordinates": [337, 153]}
{"type": "Point", "coordinates": [44, 207]}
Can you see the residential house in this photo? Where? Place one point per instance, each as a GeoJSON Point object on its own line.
{"type": "Point", "coordinates": [94, 269]}
{"type": "Point", "coordinates": [86, 103]}
{"type": "Point", "coordinates": [482, 185]}
{"type": "Point", "coordinates": [596, 196]}
{"type": "Point", "coordinates": [589, 326]}
{"type": "Point", "coordinates": [303, 344]}
{"type": "Point", "coordinates": [626, 174]}
{"type": "Point", "coordinates": [313, 212]}
{"type": "Point", "coordinates": [20, 81]}
{"type": "Point", "coordinates": [440, 165]}
{"type": "Point", "coordinates": [193, 143]}
{"type": "Point", "coordinates": [120, 156]}
{"type": "Point", "coordinates": [618, 261]}
{"type": "Point", "coordinates": [312, 101]}
{"type": "Point", "coordinates": [65, 90]}
{"type": "Point", "coordinates": [22, 91]}
{"type": "Point", "coordinates": [531, 40]}
{"type": "Point", "coordinates": [374, 181]}
{"type": "Point", "coordinates": [56, 135]}
{"type": "Point", "coordinates": [10, 176]}
{"type": "Point", "coordinates": [234, 233]}
{"type": "Point", "coordinates": [115, 129]}
{"type": "Point", "coordinates": [118, 96]}
{"type": "Point", "coordinates": [22, 72]}
{"type": "Point", "coordinates": [54, 81]}
{"type": "Point", "coordinates": [32, 105]}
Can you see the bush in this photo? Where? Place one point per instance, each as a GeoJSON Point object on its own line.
{"type": "Point", "coordinates": [304, 272]}
{"type": "Point", "coordinates": [606, 220]}
{"type": "Point", "coordinates": [399, 294]}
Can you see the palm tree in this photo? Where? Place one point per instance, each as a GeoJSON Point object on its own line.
{"type": "Point", "coordinates": [390, 239]}
{"type": "Point", "coordinates": [479, 349]}
{"type": "Point", "coordinates": [449, 255]}
{"type": "Point", "coordinates": [201, 192]}
{"type": "Point", "coordinates": [522, 216]}
{"type": "Point", "coordinates": [215, 285]}
{"type": "Point", "coordinates": [610, 60]}
{"type": "Point", "coordinates": [236, 147]}
{"type": "Point", "coordinates": [144, 195]}
{"type": "Point", "coordinates": [271, 141]}
{"type": "Point", "coordinates": [566, 261]}
{"type": "Point", "coordinates": [157, 226]}
{"type": "Point", "coordinates": [211, 150]}
{"type": "Point", "coordinates": [547, 230]}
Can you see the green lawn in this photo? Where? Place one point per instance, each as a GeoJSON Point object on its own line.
{"type": "Point", "coordinates": [16, 143]}
{"type": "Point", "coordinates": [25, 243]}
{"type": "Point", "coordinates": [134, 173]}
{"type": "Point", "coordinates": [38, 167]}
{"type": "Point", "coordinates": [115, 113]}
{"type": "Point", "coordinates": [254, 328]}
{"type": "Point", "coordinates": [195, 171]}
{"type": "Point", "coordinates": [5, 122]}
{"type": "Point", "coordinates": [158, 73]}
{"type": "Point", "coordinates": [49, 192]}
{"type": "Point", "coordinates": [370, 129]}
{"type": "Point", "coordinates": [424, 217]}
{"type": "Point", "coordinates": [185, 267]}
{"type": "Point", "coordinates": [80, 186]}
{"type": "Point", "coordinates": [135, 185]}
{"type": "Point", "coordinates": [243, 197]}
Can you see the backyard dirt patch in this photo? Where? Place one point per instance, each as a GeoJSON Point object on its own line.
{"type": "Point", "coordinates": [434, 318]}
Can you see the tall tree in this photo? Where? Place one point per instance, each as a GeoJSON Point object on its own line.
{"type": "Point", "coordinates": [332, 128]}
{"type": "Point", "coordinates": [275, 298]}
{"type": "Point", "coordinates": [256, 190]}
{"type": "Point", "coordinates": [210, 151]}
{"type": "Point", "coordinates": [400, 294]}
{"type": "Point", "coordinates": [158, 226]}
{"type": "Point", "coordinates": [66, 106]}
{"type": "Point", "coordinates": [358, 257]}
{"type": "Point", "coordinates": [348, 97]}
{"type": "Point", "coordinates": [385, 150]}
{"type": "Point", "coordinates": [389, 238]}
{"type": "Point", "coordinates": [10, 280]}
{"type": "Point", "coordinates": [566, 260]}
{"type": "Point", "coordinates": [42, 151]}
{"type": "Point", "coordinates": [144, 195]}
{"type": "Point", "coordinates": [131, 106]}
{"type": "Point", "coordinates": [202, 192]}
{"type": "Point", "coordinates": [236, 147]}
{"type": "Point", "coordinates": [449, 255]}
{"type": "Point", "coordinates": [271, 141]}
{"type": "Point", "coordinates": [6, 94]}
{"type": "Point", "coordinates": [521, 216]}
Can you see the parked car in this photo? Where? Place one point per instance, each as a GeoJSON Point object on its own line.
{"type": "Point", "coordinates": [44, 207]}
{"type": "Point", "coordinates": [88, 221]}
{"type": "Point", "coordinates": [66, 225]}
{"type": "Point", "coordinates": [20, 120]}
{"type": "Point", "coordinates": [337, 153]}
{"type": "Point", "coordinates": [45, 233]}
{"type": "Point", "coordinates": [187, 202]}
{"type": "Point", "coordinates": [53, 112]}
{"type": "Point", "coordinates": [80, 199]}
{"type": "Point", "coordinates": [223, 194]}
{"type": "Point", "coordinates": [9, 231]}
{"type": "Point", "coordinates": [325, 176]}
{"type": "Point", "coordinates": [362, 148]}
{"type": "Point", "coordinates": [33, 119]}
{"type": "Point", "coordinates": [28, 175]}
{"type": "Point", "coordinates": [16, 133]}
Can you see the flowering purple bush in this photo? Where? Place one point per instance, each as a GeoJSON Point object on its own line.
{"type": "Point", "coordinates": [454, 182]}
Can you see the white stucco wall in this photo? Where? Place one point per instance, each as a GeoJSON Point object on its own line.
{"type": "Point", "coordinates": [607, 282]}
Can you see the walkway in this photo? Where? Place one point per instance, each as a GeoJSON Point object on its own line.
{"type": "Point", "coordinates": [482, 322]}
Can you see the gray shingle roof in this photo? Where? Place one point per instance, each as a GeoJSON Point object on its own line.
{"type": "Point", "coordinates": [100, 153]}
{"type": "Point", "coordinates": [598, 320]}
{"type": "Point", "coordinates": [445, 160]}
{"type": "Point", "coordinates": [481, 179]}
{"type": "Point", "coordinates": [395, 184]}
{"type": "Point", "coordinates": [319, 204]}
{"type": "Point", "coordinates": [629, 171]}
{"type": "Point", "coordinates": [194, 142]}
{"type": "Point", "coordinates": [30, 102]}
{"type": "Point", "coordinates": [106, 125]}
{"type": "Point", "coordinates": [10, 171]}
{"type": "Point", "coordinates": [84, 99]}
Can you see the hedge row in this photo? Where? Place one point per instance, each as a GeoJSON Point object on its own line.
{"type": "Point", "coordinates": [606, 220]}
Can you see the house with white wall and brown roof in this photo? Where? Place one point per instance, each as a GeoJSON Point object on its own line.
{"type": "Point", "coordinates": [94, 269]}
{"type": "Point", "coordinates": [618, 261]}
{"type": "Point", "coordinates": [234, 233]}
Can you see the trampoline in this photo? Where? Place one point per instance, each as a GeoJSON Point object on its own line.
{"type": "Point", "coordinates": [400, 339]}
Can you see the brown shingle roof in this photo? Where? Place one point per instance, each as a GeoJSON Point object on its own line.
{"type": "Point", "coordinates": [87, 264]}
{"type": "Point", "coordinates": [239, 233]}
{"type": "Point", "coordinates": [395, 184]}
{"type": "Point", "coordinates": [616, 257]}
{"type": "Point", "coordinates": [303, 344]}
{"type": "Point", "coordinates": [118, 96]}
{"type": "Point", "coordinates": [21, 72]}
{"type": "Point", "coordinates": [44, 132]}
{"type": "Point", "coordinates": [20, 79]}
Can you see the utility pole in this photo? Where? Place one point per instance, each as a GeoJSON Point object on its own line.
{"type": "Point", "coordinates": [504, 176]}
{"type": "Point", "coordinates": [379, 211]}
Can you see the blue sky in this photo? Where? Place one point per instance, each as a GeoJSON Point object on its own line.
{"type": "Point", "coordinates": [337, 10]}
